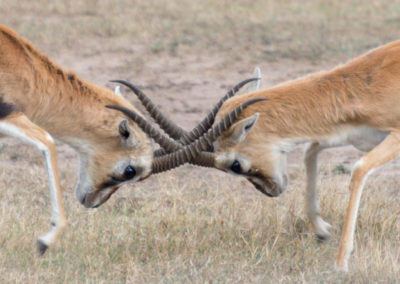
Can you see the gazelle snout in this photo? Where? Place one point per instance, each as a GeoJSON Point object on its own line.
{"type": "Point", "coordinates": [93, 194]}
{"type": "Point", "coordinates": [97, 198]}
{"type": "Point", "coordinates": [268, 186]}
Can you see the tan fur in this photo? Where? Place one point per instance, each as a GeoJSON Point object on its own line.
{"type": "Point", "coordinates": [58, 103]}
{"type": "Point", "coordinates": [354, 102]}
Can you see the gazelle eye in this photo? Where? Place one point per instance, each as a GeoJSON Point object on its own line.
{"type": "Point", "coordinates": [236, 168]}
{"type": "Point", "coordinates": [129, 172]}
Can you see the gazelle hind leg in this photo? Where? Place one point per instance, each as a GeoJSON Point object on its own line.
{"type": "Point", "coordinates": [321, 228]}
{"type": "Point", "coordinates": [19, 126]}
{"type": "Point", "coordinates": [381, 154]}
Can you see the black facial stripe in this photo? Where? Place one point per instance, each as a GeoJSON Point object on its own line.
{"type": "Point", "coordinates": [256, 175]}
{"type": "Point", "coordinates": [270, 183]}
{"type": "Point", "coordinates": [260, 188]}
{"type": "Point", "coordinates": [116, 179]}
{"type": "Point", "coordinates": [112, 182]}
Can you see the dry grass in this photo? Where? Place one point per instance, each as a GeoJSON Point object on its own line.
{"type": "Point", "coordinates": [168, 230]}
{"type": "Point", "coordinates": [256, 30]}
{"type": "Point", "coordinates": [195, 225]}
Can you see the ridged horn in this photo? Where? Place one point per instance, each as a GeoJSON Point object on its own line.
{"type": "Point", "coordinates": [164, 141]}
{"type": "Point", "coordinates": [204, 159]}
{"type": "Point", "coordinates": [208, 121]}
{"type": "Point", "coordinates": [172, 129]}
{"type": "Point", "coordinates": [165, 123]}
{"type": "Point", "coordinates": [194, 149]}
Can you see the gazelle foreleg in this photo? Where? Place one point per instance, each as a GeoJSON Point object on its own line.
{"type": "Point", "coordinates": [19, 126]}
{"type": "Point", "coordinates": [321, 228]}
{"type": "Point", "coordinates": [381, 154]}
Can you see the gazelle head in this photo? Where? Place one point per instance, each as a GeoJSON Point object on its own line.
{"type": "Point", "coordinates": [128, 155]}
{"type": "Point", "coordinates": [246, 151]}
{"type": "Point", "coordinates": [119, 155]}
{"type": "Point", "coordinates": [243, 150]}
{"type": "Point", "coordinates": [176, 153]}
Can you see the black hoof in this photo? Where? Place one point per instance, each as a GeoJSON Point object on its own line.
{"type": "Point", "coordinates": [42, 247]}
{"type": "Point", "coordinates": [321, 239]}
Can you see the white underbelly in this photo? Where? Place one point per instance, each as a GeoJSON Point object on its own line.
{"type": "Point", "coordinates": [364, 138]}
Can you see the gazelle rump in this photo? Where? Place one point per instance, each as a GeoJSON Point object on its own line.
{"type": "Point", "coordinates": [356, 103]}
{"type": "Point", "coordinates": [40, 101]}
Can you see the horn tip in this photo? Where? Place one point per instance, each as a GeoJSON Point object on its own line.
{"type": "Point", "coordinates": [112, 106]}
{"type": "Point", "coordinates": [116, 81]}
{"type": "Point", "coordinates": [260, 99]}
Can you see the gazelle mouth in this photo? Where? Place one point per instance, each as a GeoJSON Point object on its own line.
{"type": "Point", "coordinates": [104, 199]}
{"type": "Point", "coordinates": [95, 199]}
{"type": "Point", "coordinates": [260, 186]}
{"type": "Point", "coordinates": [261, 189]}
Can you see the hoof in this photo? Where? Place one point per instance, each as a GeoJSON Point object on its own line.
{"type": "Point", "coordinates": [322, 238]}
{"type": "Point", "coordinates": [42, 247]}
{"type": "Point", "coordinates": [321, 229]}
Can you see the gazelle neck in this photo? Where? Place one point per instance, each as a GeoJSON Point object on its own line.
{"type": "Point", "coordinates": [76, 109]}
{"type": "Point", "coordinates": [58, 101]}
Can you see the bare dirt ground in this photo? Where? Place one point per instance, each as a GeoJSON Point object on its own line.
{"type": "Point", "coordinates": [191, 224]}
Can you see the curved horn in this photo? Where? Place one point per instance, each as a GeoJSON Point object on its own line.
{"type": "Point", "coordinates": [164, 141]}
{"type": "Point", "coordinates": [206, 123]}
{"type": "Point", "coordinates": [169, 126]}
{"type": "Point", "coordinates": [191, 151]}
{"type": "Point", "coordinates": [165, 123]}
{"type": "Point", "coordinates": [204, 159]}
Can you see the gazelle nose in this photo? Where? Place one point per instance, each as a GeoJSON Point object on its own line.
{"type": "Point", "coordinates": [83, 201]}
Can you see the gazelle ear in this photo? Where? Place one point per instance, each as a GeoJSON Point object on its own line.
{"type": "Point", "coordinates": [255, 85]}
{"type": "Point", "coordinates": [117, 90]}
{"type": "Point", "coordinates": [241, 128]}
{"type": "Point", "coordinates": [125, 134]}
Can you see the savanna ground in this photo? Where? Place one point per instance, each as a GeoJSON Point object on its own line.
{"type": "Point", "coordinates": [191, 224]}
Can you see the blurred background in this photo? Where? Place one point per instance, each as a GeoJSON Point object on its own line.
{"type": "Point", "coordinates": [190, 224]}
